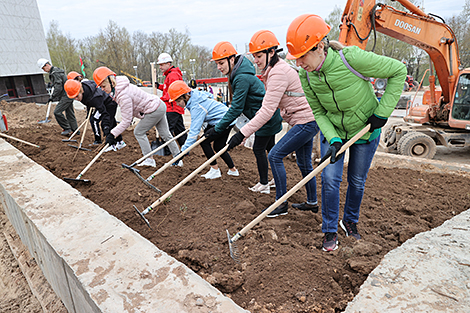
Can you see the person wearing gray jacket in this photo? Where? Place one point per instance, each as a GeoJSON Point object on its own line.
{"type": "Point", "coordinates": [58, 78]}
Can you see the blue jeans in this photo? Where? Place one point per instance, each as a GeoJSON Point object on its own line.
{"type": "Point", "coordinates": [299, 139]}
{"type": "Point", "coordinates": [360, 158]}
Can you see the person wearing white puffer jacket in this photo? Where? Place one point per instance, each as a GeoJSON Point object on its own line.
{"type": "Point", "coordinates": [135, 102]}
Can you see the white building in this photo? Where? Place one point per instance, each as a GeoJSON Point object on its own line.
{"type": "Point", "coordinates": [22, 43]}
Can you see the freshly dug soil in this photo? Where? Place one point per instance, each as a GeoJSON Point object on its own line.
{"type": "Point", "coordinates": [282, 267]}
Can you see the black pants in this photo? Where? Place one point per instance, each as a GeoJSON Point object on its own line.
{"type": "Point", "coordinates": [219, 142]}
{"type": "Point", "coordinates": [262, 145]}
{"type": "Point", "coordinates": [176, 126]}
{"type": "Point", "coordinates": [96, 118]}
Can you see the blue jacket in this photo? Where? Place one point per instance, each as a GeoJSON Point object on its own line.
{"type": "Point", "coordinates": [203, 108]}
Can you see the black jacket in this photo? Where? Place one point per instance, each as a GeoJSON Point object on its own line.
{"type": "Point", "coordinates": [94, 97]}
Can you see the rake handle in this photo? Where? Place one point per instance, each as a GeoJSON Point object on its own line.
{"type": "Point", "coordinates": [299, 185]}
{"type": "Point", "coordinates": [185, 180]}
{"type": "Point", "coordinates": [176, 158]}
{"type": "Point", "coordinates": [160, 147]}
{"type": "Point", "coordinates": [78, 128]}
{"type": "Point", "coordinates": [25, 142]}
{"type": "Point", "coordinates": [92, 161]}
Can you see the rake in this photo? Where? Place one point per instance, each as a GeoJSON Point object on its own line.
{"type": "Point", "coordinates": [137, 172]}
{"type": "Point", "coordinates": [232, 240]}
{"type": "Point", "coordinates": [176, 158]}
{"type": "Point", "coordinates": [178, 186]}
{"type": "Point", "coordinates": [81, 140]}
{"type": "Point", "coordinates": [47, 120]}
{"type": "Point", "coordinates": [87, 181]}
{"type": "Point", "coordinates": [75, 132]}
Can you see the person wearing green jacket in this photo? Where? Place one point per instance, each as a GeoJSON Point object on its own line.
{"type": "Point", "coordinates": [335, 81]}
{"type": "Point", "coordinates": [246, 94]}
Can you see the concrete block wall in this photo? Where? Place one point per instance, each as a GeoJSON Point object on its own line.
{"type": "Point", "coordinates": [92, 260]}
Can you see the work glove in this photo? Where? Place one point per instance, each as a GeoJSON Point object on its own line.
{"type": "Point", "coordinates": [235, 140]}
{"type": "Point", "coordinates": [210, 132]}
{"type": "Point", "coordinates": [50, 100]}
{"type": "Point", "coordinates": [110, 139]}
{"type": "Point", "coordinates": [157, 85]}
{"type": "Point", "coordinates": [332, 150]}
{"type": "Point", "coordinates": [376, 122]}
{"type": "Point", "coordinates": [106, 131]}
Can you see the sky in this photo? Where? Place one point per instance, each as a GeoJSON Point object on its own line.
{"type": "Point", "coordinates": [208, 22]}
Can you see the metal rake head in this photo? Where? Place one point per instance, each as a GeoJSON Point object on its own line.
{"type": "Point", "coordinates": [142, 216]}
{"type": "Point", "coordinates": [137, 173]}
{"type": "Point", "coordinates": [233, 248]}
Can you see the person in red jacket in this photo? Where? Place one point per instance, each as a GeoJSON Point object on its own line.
{"type": "Point", "coordinates": [174, 113]}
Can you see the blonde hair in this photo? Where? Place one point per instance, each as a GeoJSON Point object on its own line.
{"type": "Point", "coordinates": [335, 45]}
{"type": "Point", "coordinates": [112, 78]}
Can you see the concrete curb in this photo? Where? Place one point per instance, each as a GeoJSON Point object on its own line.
{"type": "Point", "coordinates": [92, 260]}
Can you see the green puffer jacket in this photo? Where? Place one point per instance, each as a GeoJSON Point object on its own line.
{"type": "Point", "coordinates": [248, 93]}
{"type": "Point", "coordinates": [342, 102]}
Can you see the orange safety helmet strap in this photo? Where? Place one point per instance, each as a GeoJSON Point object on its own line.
{"type": "Point", "coordinates": [222, 50]}
{"type": "Point", "coordinates": [73, 75]}
{"type": "Point", "coordinates": [304, 33]}
{"type": "Point", "coordinates": [72, 88]}
{"type": "Point", "coordinates": [101, 73]}
{"type": "Point", "coordinates": [262, 40]}
{"type": "Point", "coordinates": [177, 89]}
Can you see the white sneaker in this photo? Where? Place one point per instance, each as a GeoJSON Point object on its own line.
{"type": "Point", "coordinates": [148, 162]}
{"type": "Point", "coordinates": [272, 184]}
{"type": "Point", "coordinates": [179, 163]}
{"type": "Point", "coordinates": [233, 173]}
{"type": "Point", "coordinates": [121, 144]}
{"type": "Point", "coordinates": [110, 148]}
{"type": "Point", "coordinates": [260, 188]}
{"type": "Point", "coordinates": [212, 174]}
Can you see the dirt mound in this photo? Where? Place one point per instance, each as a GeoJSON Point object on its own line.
{"type": "Point", "coordinates": [282, 267]}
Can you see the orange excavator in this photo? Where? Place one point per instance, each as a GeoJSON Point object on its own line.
{"type": "Point", "coordinates": [444, 116]}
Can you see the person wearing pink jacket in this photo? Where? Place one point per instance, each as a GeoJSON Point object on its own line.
{"type": "Point", "coordinates": [135, 102]}
{"type": "Point", "coordinates": [283, 91]}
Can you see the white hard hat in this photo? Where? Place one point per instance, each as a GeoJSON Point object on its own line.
{"type": "Point", "coordinates": [42, 62]}
{"type": "Point", "coordinates": [164, 58]}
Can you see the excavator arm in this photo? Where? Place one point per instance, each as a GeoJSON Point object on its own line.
{"type": "Point", "coordinates": [415, 27]}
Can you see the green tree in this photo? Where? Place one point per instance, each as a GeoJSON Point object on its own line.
{"type": "Point", "coordinates": [62, 49]}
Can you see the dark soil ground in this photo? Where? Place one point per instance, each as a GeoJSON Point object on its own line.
{"type": "Point", "coordinates": [282, 267]}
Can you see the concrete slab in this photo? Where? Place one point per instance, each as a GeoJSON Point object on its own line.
{"type": "Point", "coordinates": [92, 260]}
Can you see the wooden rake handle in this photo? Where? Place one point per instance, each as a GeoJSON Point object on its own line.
{"type": "Point", "coordinates": [185, 180]}
{"type": "Point", "coordinates": [299, 185]}
{"type": "Point", "coordinates": [92, 161]}
{"type": "Point", "coordinates": [176, 158]}
{"type": "Point", "coordinates": [160, 147]}
{"type": "Point", "coordinates": [25, 142]}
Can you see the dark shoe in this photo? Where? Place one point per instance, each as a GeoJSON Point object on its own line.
{"type": "Point", "coordinates": [66, 132]}
{"type": "Point", "coordinates": [97, 142]}
{"type": "Point", "coordinates": [350, 229]}
{"type": "Point", "coordinates": [280, 210]}
{"type": "Point", "coordinates": [330, 242]}
{"type": "Point", "coordinates": [306, 207]}
{"type": "Point", "coordinates": [78, 133]}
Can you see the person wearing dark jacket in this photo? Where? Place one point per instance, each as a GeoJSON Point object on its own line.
{"type": "Point", "coordinates": [246, 93]}
{"type": "Point", "coordinates": [58, 79]}
{"type": "Point", "coordinates": [105, 107]}
{"type": "Point", "coordinates": [174, 113]}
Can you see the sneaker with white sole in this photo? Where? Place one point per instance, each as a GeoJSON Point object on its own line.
{"type": "Point", "coordinates": [148, 162]}
{"type": "Point", "coordinates": [259, 187]}
{"type": "Point", "coordinates": [178, 163]}
{"type": "Point", "coordinates": [272, 184]}
{"type": "Point", "coordinates": [110, 148]}
{"type": "Point", "coordinates": [233, 173]}
{"type": "Point", "coordinates": [121, 144]}
{"type": "Point", "coordinates": [212, 174]}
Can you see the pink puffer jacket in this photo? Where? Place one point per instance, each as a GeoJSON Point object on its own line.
{"type": "Point", "coordinates": [294, 110]}
{"type": "Point", "coordinates": [133, 102]}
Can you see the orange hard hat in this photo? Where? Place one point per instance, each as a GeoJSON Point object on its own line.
{"type": "Point", "coordinates": [72, 88]}
{"type": "Point", "coordinates": [177, 89]}
{"type": "Point", "coordinates": [223, 49]}
{"type": "Point", "coordinates": [304, 33]}
{"type": "Point", "coordinates": [262, 40]}
{"type": "Point", "coordinates": [73, 75]}
{"type": "Point", "coordinates": [101, 73]}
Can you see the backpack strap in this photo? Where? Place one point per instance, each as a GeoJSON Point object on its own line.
{"type": "Point", "coordinates": [351, 68]}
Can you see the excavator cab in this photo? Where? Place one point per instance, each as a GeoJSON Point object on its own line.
{"type": "Point", "coordinates": [460, 112]}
